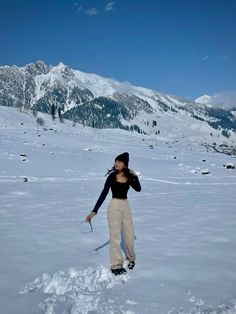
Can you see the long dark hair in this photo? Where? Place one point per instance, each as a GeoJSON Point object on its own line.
{"type": "Point", "coordinates": [126, 171]}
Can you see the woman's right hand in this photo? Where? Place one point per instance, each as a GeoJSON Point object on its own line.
{"type": "Point", "coordinates": [90, 216]}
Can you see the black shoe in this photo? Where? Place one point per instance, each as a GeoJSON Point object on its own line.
{"type": "Point", "coordinates": [131, 265]}
{"type": "Point", "coordinates": [118, 271]}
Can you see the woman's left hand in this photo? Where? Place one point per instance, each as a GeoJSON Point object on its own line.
{"type": "Point", "coordinates": [133, 173]}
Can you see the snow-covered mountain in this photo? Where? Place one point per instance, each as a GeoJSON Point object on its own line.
{"type": "Point", "coordinates": [226, 100]}
{"type": "Point", "coordinates": [205, 100]}
{"type": "Point", "coordinates": [107, 103]}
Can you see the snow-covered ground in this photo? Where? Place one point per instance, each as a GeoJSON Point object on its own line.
{"type": "Point", "coordinates": [184, 221]}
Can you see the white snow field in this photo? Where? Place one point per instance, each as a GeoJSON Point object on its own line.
{"type": "Point", "coordinates": [185, 222]}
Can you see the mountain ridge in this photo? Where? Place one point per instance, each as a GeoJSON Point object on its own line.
{"type": "Point", "coordinates": [106, 103]}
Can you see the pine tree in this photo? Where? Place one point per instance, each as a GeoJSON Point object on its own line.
{"type": "Point", "coordinates": [53, 112]}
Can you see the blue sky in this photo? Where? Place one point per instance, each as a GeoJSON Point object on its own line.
{"type": "Point", "coordinates": [181, 47]}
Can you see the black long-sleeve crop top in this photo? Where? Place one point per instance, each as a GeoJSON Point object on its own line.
{"type": "Point", "coordinates": [119, 189]}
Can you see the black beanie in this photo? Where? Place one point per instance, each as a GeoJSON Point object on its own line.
{"type": "Point", "coordinates": [124, 158]}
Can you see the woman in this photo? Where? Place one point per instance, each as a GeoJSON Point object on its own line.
{"type": "Point", "coordinates": [119, 213]}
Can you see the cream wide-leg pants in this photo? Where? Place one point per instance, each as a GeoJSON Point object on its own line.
{"type": "Point", "coordinates": [120, 221]}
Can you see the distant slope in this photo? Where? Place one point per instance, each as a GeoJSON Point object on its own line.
{"type": "Point", "coordinates": [105, 103]}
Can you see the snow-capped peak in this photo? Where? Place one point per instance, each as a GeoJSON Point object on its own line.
{"type": "Point", "coordinates": [205, 100]}
{"type": "Point", "coordinates": [224, 100]}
